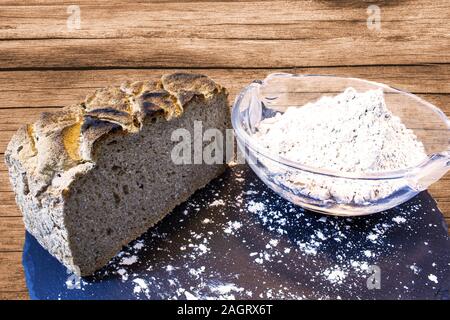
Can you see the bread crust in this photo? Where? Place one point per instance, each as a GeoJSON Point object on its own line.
{"type": "Point", "coordinates": [60, 141]}
{"type": "Point", "coordinates": [46, 157]}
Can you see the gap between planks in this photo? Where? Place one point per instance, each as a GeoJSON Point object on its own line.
{"type": "Point", "coordinates": [249, 34]}
{"type": "Point", "coordinates": [59, 88]}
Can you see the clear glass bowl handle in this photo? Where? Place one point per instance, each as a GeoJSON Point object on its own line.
{"type": "Point", "coordinates": [434, 169]}
{"type": "Point", "coordinates": [248, 101]}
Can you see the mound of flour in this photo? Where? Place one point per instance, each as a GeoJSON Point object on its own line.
{"type": "Point", "coordinates": [351, 132]}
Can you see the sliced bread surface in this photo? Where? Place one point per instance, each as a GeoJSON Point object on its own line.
{"type": "Point", "coordinates": [92, 177]}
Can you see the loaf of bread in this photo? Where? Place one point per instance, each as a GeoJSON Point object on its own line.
{"type": "Point", "coordinates": [92, 177]}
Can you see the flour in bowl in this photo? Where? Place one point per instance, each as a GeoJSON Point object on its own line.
{"type": "Point", "coordinates": [353, 132]}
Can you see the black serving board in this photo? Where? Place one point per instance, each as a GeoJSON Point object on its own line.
{"type": "Point", "coordinates": [236, 239]}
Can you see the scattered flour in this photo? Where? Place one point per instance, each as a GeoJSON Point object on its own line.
{"type": "Point", "coordinates": [226, 290]}
{"type": "Point", "coordinates": [399, 219]}
{"type": "Point", "coordinates": [123, 273]}
{"type": "Point", "coordinates": [138, 245]}
{"type": "Point", "coordinates": [232, 226]}
{"type": "Point", "coordinates": [433, 278]}
{"type": "Point", "coordinates": [129, 260]}
{"type": "Point", "coordinates": [415, 269]}
{"type": "Point", "coordinates": [279, 238]}
{"type": "Point", "coordinates": [254, 207]}
{"type": "Point", "coordinates": [216, 203]}
{"type": "Point", "coordinates": [335, 275]}
{"type": "Point", "coordinates": [372, 237]}
{"type": "Point", "coordinates": [141, 286]}
{"type": "Point", "coordinates": [190, 296]}
{"type": "Point", "coordinates": [197, 272]}
{"type": "Point", "coordinates": [367, 253]}
{"type": "Point", "coordinates": [349, 133]}
{"type": "Point", "coordinates": [169, 268]}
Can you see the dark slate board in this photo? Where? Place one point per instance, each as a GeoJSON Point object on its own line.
{"type": "Point", "coordinates": [237, 239]}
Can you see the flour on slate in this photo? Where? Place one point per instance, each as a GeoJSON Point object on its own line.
{"type": "Point", "coordinates": [264, 234]}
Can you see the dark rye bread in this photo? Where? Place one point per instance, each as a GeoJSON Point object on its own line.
{"type": "Point", "coordinates": [94, 176]}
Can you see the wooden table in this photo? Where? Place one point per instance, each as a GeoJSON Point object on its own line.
{"type": "Point", "coordinates": [47, 62]}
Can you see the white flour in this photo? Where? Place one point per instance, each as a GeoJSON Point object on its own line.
{"type": "Point", "coordinates": [351, 132]}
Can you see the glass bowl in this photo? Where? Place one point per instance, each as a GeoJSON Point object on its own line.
{"type": "Point", "coordinates": [372, 192]}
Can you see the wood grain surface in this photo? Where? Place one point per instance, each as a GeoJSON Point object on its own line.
{"type": "Point", "coordinates": [44, 65]}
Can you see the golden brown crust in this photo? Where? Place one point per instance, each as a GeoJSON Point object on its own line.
{"type": "Point", "coordinates": [61, 141]}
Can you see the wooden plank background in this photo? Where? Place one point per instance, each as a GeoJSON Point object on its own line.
{"type": "Point", "coordinates": [44, 65]}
